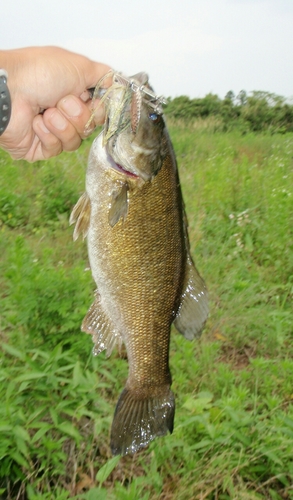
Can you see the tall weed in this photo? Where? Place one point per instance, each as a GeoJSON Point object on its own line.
{"type": "Point", "coordinates": [233, 435]}
{"type": "Point", "coordinates": [46, 299]}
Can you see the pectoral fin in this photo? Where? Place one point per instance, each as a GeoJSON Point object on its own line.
{"type": "Point", "coordinates": [99, 325]}
{"type": "Point", "coordinates": [80, 215]}
{"type": "Point", "coordinates": [119, 204]}
{"type": "Point", "coordinates": [193, 310]}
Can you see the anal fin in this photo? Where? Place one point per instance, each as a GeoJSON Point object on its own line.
{"type": "Point", "coordinates": [80, 215]}
{"type": "Point", "coordinates": [194, 309]}
{"type": "Point", "coordinates": [99, 325]}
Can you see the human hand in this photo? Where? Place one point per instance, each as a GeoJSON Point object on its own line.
{"type": "Point", "coordinates": [54, 80]}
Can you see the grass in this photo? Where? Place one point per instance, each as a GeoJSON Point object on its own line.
{"type": "Point", "coordinates": [233, 436]}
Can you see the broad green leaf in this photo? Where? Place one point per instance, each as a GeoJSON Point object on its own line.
{"type": "Point", "coordinates": [22, 447]}
{"type": "Point", "coordinates": [21, 433]}
{"type": "Point", "coordinates": [204, 443]}
{"type": "Point", "coordinates": [11, 390]}
{"type": "Point", "coordinates": [19, 459]}
{"type": "Point", "coordinates": [77, 375]}
{"type": "Point", "coordinates": [54, 416]}
{"type": "Point", "coordinates": [199, 403]}
{"type": "Point", "coordinates": [288, 421]}
{"type": "Point", "coordinates": [5, 427]}
{"type": "Point", "coordinates": [272, 456]}
{"type": "Point", "coordinates": [13, 351]}
{"type": "Point", "coordinates": [94, 494]}
{"type": "Point", "coordinates": [30, 376]}
{"type": "Point", "coordinates": [69, 429]}
{"type": "Point", "coordinates": [40, 433]}
{"type": "Point", "coordinates": [107, 468]}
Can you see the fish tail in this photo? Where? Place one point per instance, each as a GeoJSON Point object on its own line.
{"type": "Point", "coordinates": [139, 418]}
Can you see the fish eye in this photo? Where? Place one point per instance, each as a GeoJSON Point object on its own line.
{"type": "Point", "coordinates": [154, 117]}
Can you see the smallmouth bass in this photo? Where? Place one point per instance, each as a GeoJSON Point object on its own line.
{"type": "Point", "coordinates": [132, 214]}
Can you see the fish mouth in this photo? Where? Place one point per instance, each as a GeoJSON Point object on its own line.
{"type": "Point", "coordinates": [123, 170]}
{"type": "Point", "coordinates": [119, 168]}
{"type": "Point", "coordinates": [124, 161]}
{"type": "Point", "coordinates": [144, 176]}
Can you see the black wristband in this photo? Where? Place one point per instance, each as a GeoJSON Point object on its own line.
{"type": "Point", "coordinates": [5, 102]}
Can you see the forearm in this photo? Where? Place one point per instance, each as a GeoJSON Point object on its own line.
{"type": "Point", "coordinates": [7, 58]}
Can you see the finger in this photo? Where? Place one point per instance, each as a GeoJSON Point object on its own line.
{"type": "Point", "coordinates": [97, 107]}
{"type": "Point", "coordinates": [60, 126]}
{"type": "Point", "coordinates": [99, 113]}
{"type": "Point", "coordinates": [48, 145]}
{"type": "Point", "coordinates": [77, 113]}
{"type": "Point", "coordinates": [93, 72]}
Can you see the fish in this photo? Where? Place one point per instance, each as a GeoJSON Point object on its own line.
{"type": "Point", "coordinates": [133, 217]}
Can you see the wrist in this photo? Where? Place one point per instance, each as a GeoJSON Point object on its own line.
{"type": "Point", "coordinates": [5, 101]}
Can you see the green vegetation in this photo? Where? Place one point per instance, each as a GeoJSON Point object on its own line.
{"type": "Point", "coordinates": [233, 436]}
{"type": "Point", "coordinates": [259, 111]}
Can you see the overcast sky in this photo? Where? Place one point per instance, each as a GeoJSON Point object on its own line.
{"type": "Point", "coordinates": [188, 47]}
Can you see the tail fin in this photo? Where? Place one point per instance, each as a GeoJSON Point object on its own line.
{"type": "Point", "coordinates": [137, 420]}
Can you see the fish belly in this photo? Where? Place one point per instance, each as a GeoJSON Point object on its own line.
{"type": "Point", "coordinates": [138, 267]}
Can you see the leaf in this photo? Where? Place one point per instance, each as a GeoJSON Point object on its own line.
{"type": "Point", "coordinates": [288, 421]}
{"type": "Point", "coordinates": [54, 416]}
{"type": "Point", "coordinates": [242, 438]}
{"type": "Point", "coordinates": [19, 459]}
{"type": "Point", "coordinates": [30, 376]}
{"type": "Point", "coordinates": [11, 390]}
{"type": "Point", "coordinates": [40, 433]}
{"type": "Point", "coordinates": [21, 433]}
{"type": "Point", "coordinates": [200, 403]}
{"type": "Point", "coordinates": [21, 446]}
{"type": "Point", "coordinates": [107, 468]}
{"type": "Point", "coordinates": [204, 443]}
{"type": "Point", "coordinates": [272, 456]}
{"type": "Point", "coordinates": [13, 351]}
{"type": "Point", "coordinates": [5, 427]}
{"type": "Point", "coordinates": [248, 243]}
{"type": "Point", "coordinates": [94, 494]}
{"type": "Point", "coordinates": [78, 378]}
{"type": "Point", "coordinates": [190, 421]}
{"type": "Point", "coordinates": [69, 429]}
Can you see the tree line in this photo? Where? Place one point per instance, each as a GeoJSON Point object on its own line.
{"type": "Point", "coordinates": [256, 111]}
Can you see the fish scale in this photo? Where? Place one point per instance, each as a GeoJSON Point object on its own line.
{"type": "Point", "coordinates": [145, 284]}
{"type": "Point", "coordinates": [133, 216]}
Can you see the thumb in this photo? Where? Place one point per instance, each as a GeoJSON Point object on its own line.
{"type": "Point", "coordinates": [94, 71]}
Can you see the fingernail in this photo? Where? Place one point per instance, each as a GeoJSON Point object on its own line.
{"type": "Point", "coordinates": [43, 127]}
{"type": "Point", "coordinates": [71, 106]}
{"type": "Point", "coordinates": [58, 121]}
